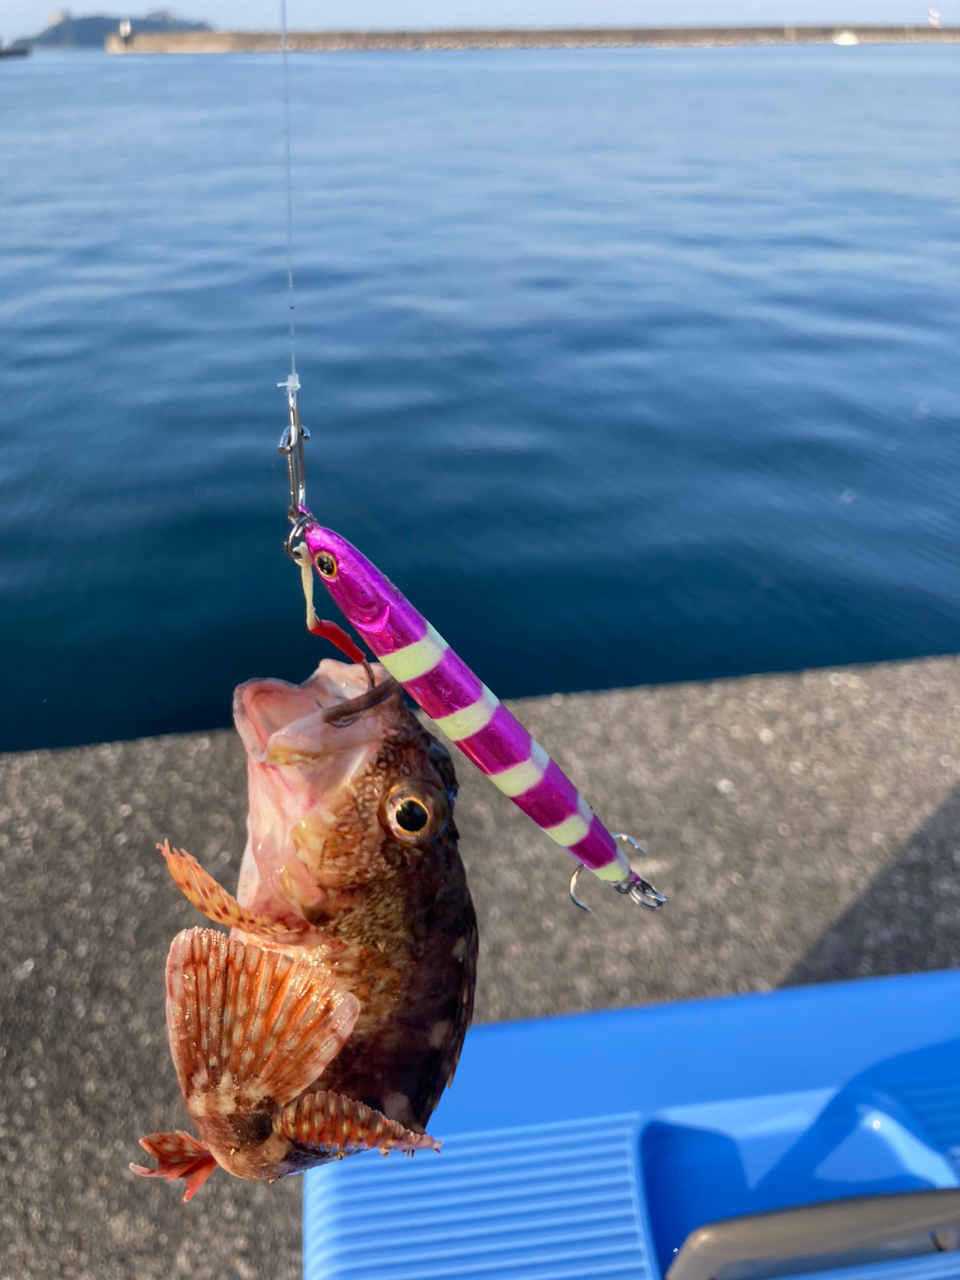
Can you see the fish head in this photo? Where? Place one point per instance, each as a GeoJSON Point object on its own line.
{"type": "Point", "coordinates": [345, 788]}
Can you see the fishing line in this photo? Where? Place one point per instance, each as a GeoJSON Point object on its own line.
{"type": "Point", "coordinates": [291, 444]}
{"type": "Point", "coordinates": [289, 184]}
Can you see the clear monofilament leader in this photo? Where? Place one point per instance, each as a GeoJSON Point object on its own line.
{"type": "Point", "coordinates": [289, 186]}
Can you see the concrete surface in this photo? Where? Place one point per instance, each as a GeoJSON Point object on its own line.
{"type": "Point", "coordinates": [806, 828]}
{"type": "Point", "coordinates": [179, 42]}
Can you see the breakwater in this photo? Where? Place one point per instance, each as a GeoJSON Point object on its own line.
{"type": "Point", "coordinates": [508, 38]}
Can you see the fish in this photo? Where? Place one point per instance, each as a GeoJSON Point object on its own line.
{"type": "Point", "coordinates": [331, 1017]}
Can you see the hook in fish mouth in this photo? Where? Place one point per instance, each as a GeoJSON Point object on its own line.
{"type": "Point", "coordinates": [349, 712]}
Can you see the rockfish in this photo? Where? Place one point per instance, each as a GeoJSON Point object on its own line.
{"type": "Point", "coordinates": [332, 1016]}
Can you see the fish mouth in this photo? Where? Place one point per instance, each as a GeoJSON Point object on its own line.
{"type": "Point", "coordinates": [282, 723]}
{"type": "Point", "coordinates": [351, 710]}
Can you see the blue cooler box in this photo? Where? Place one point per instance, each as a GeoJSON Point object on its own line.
{"type": "Point", "coordinates": [811, 1131]}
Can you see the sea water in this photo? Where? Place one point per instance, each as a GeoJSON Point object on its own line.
{"type": "Point", "coordinates": [626, 365]}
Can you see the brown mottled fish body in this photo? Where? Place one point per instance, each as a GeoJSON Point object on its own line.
{"type": "Point", "coordinates": [333, 1017]}
{"type": "Point", "coordinates": [411, 939]}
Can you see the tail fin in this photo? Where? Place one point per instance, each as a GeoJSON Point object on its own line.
{"type": "Point", "coordinates": [331, 1121]}
{"type": "Point", "coordinates": [178, 1155]}
{"type": "Point", "coordinates": [248, 1025]}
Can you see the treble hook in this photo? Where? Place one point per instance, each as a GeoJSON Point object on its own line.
{"type": "Point", "coordinates": [636, 887]}
{"type": "Point", "coordinates": [291, 445]}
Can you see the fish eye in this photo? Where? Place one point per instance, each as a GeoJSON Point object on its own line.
{"type": "Point", "coordinates": [414, 812]}
{"type": "Point", "coordinates": [412, 815]}
{"type": "Point", "coordinates": [326, 564]}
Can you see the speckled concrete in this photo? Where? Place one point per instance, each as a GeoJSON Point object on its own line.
{"type": "Point", "coordinates": [806, 828]}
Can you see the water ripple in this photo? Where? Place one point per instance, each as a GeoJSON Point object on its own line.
{"type": "Point", "coordinates": [627, 366]}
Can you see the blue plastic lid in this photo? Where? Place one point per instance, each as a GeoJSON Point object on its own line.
{"type": "Point", "coordinates": [737, 1105]}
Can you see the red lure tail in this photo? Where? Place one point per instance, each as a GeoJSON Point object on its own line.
{"type": "Point", "coordinates": [336, 635]}
{"type": "Point", "coordinates": [322, 626]}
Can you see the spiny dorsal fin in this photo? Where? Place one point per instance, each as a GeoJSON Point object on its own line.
{"type": "Point", "coordinates": [331, 1121]}
{"type": "Point", "coordinates": [250, 1025]}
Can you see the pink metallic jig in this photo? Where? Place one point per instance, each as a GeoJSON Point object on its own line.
{"type": "Point", "coordinates": [441, 683]}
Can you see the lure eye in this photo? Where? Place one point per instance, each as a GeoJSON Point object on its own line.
{"type": "Point", "coordinates": [414, 812]}
{"type": "Point", "coordinates": [326, 564]}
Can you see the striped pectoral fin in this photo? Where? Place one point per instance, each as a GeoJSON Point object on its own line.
{"type": "Point", "coordinates": [332, 1122]}
{"type": "Point", "coordinates": [178, 1155]}
{"type": "Point", "coordinates": [248, 1024]}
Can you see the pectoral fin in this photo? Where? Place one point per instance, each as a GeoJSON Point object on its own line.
{"type": "Point", "coordinates": [200, 888]}
{"type": "Point", "coordinates": [325, 1121]}
{"type": "Point", "coordinates": [250, 1028]}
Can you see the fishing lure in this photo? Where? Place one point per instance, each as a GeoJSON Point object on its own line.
{"type": "Point", "coordinates": [460, 704]}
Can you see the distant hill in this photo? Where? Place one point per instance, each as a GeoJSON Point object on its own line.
{"type": "Point", "coordinates": [64, 31]}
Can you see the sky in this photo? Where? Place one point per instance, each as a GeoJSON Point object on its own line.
{"type": "Point", "coordinates": [27, 17]}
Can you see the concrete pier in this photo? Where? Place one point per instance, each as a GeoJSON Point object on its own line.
{"type": "Point", "coordinates": [515, 38]}
{"type": "Point", "coordinates": [806, 828]}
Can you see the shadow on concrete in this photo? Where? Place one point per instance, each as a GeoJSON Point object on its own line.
{"type": "Point", "coordinates": [908, 918]}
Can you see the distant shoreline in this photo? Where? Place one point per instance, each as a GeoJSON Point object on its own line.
{"type": "Point", "coordinates": [542, 38]}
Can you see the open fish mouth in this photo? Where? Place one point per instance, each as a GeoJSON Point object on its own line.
{"type": "Point", "coordinates": [282, 723]}
{"type": "Point", "coordinates": [313, 752]}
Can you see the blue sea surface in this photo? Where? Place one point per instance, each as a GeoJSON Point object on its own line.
{"type": "Point", "coordinates": [626, 366]}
